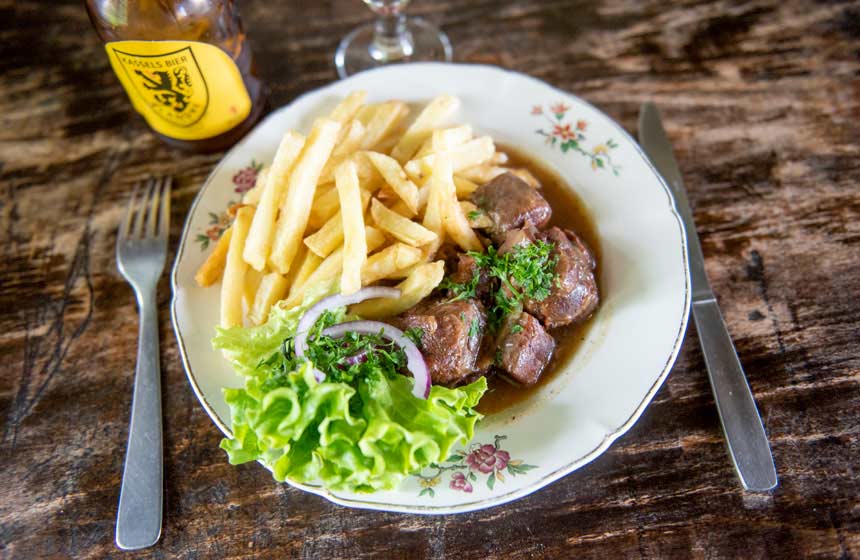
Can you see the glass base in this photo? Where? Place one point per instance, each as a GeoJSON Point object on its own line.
{"type": "Point", "coordinates": [356, 51]}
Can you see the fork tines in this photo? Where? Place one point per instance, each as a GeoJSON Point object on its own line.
{"type": "Point", "coordinates": [148, 216]}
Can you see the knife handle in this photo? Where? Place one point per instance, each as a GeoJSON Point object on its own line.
{"type": "Point", "coordinates": [742, 425]}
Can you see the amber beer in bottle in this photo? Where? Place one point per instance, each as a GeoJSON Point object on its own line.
{"type": "Point", "coordinates": [185, 66]}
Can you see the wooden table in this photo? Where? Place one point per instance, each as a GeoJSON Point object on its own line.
{"type": "Point", "coordinates": [762, 100]}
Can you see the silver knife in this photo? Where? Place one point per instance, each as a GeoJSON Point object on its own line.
{"type": "Point", "coordinates": [742, 425]}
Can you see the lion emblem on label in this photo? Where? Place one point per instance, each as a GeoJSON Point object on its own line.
{"type": "Point", "coordinates": [171, 85]}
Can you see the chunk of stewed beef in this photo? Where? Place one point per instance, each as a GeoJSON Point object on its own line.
{"type": "Point", "coordinates": [524, 349]}
{"type": "Point", "coordinates": [574, 294]}
{"type": "Point", "coordinates": [451, 333]}
{"type": "Point", "coordinates": [464, 270]}
{"type": "Point", "coordinates": [511, 203]}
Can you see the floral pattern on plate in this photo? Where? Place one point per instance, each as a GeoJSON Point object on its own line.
{"type": "Point", "coordinates": [570, 136]}
{"type": "Point", "coordinates": [243, 181]}
{"type": "Point", "coordinates": [486, 461]}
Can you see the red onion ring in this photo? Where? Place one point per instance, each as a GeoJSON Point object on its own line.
{"type": "Point", "coordinates": [414, 360]}
{"type": "Point", "coordinates": [306, 323]}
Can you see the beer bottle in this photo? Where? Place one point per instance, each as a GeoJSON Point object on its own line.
{"type": "Point", "coordinates": [185, 66]}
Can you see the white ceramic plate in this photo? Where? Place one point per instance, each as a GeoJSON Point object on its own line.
{"type": "Point", "coordinates": [645, 281]}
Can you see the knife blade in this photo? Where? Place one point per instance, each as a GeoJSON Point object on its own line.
{"type": "Point", "coordinates": [742, 425]}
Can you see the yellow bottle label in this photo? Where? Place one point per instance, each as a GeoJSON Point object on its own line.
{"type": "Point", "coordinates": [184, 89]}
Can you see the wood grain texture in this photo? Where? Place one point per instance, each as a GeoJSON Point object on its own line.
{"type": "Point", "coordinates": [762, 101]}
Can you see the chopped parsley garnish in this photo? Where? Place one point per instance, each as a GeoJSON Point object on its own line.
{"type": "Point", "coordinates": [415, 334]}
{"type": "Point", "coordinates": [355, 356]}
{"type": "Point", "coordinates": [526, 272]}
{"type": "Point", "coordinates": [461, 291]}
{"type": "Point", "coordinates": [516, 328]}
{"type": "Point", "coordinates": [474, 214]}
{"type": "Point", "coordinates": [349, 358]}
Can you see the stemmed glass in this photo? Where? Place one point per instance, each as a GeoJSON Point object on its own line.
{"type": "Point", "coordinates": [393, 37]}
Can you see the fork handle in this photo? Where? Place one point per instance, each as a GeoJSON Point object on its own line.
{"type": "Point", "coordinates": [138, 520]}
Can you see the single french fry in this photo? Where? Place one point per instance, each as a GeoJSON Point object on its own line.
{"type": "Point", "coordinates": [499, 158]}
{"type": "Point", "coordinates": [365, 113]}
{"type": "Point", "coordinates": [299, 275]}
{"type": "Point", "coordinates": [330, 267]}
{"type": "Point", "coordinates": [472, 153]}
{"type": "Point", "coordinates": [352, 213]}
{"type": "Point", "coordinates": [252, 197]}
{"type": "Point", "coordinates": [262, 230]}
{"type": "Point", "coordinates": [324, 207]}
{"type": "Point", "coordinates": [399, 227]}
{"type": "Point", "coordinates": [449, 138]}
{"type": "Point", "coordinates": [385, 145]}
{"type": "Point", "coordinates": [453, 219]}
{"type": "Point", "coordinates": [351, 141]}
{"type": "Point", "coordinates": [396, 178]}
{"type": "Point", "coordinates": [386, 118]}
{"type": "Point", "coordinates": [418, 285]}
{"type": "Point", "coordinates": [296, 207]}
{"type": "Point", "coordinates": [211, 269]}
{"type": "Point", "coordinates": [439, 109]}
{"type": "Point", "coordinates": [367, 173]}
{"type": "Point", "coordinates": [478, 219]}
{"type": "Point", "coordinates": [526, 176]}
{"type": "Point", "coordinates": [481, 174]}
{"type": "Point", "coordinates": [435, 189]}
{"type": "Point", "coordinates": [345, 147]}
{"type": "Point", "coordinates": [234, 270]}
{"type": "Point", "coordinates": [330, 236]}
{"type": "Point", "coordinates": [405, 272]}
{"type": "Point", "coordinates": [272, 289]}
{"type": "Point", "coordinates": [252, 282]}
{"type": "Point", "coordinates": [348, 107]}
{"type": "Point", "coordinates": [389, 261]}
{"type": "Point", "coordinates": [464, 186]}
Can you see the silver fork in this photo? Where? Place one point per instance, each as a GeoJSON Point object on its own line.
{"type": "Point", "coordinates": [141, 248]}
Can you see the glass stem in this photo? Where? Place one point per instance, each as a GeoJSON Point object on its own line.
{"type": "Point", "coordinates": [391, 40]}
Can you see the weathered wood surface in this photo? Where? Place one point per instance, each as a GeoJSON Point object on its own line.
{"type": "Point", "coordinates": [762, 100]}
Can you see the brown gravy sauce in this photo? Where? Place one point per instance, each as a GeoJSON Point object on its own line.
{"type": "Point", "coordinates": [568, 211]}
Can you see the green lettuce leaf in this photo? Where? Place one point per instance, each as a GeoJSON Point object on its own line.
{"type": "Point", "coordinates": [359, 437]}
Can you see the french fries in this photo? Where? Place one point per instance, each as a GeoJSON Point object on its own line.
{"type": "Point", "coordinates": [396, 179]}
{"type": "Point", "coordinates": [465, 187]}
{"type": "Point", "coordinates": [263, 227]}
{"type": "Point", "coordinates": [352, 213]}
{"type": "Point", "coordinates": [234, 270]}
{"type": "Point", "coordinates": [433, 114]}
{"type": "Point", "coordinates": [386, 119]}
{"type": "Point", "coordinates": [390, 261]}
{"type": "Point", "coordinates": [416, 287]}
{"type": "Point", "coordinates": [449, 138]}
{"type": "Point", "coordinates": [334, 209]}
{"type": "Point", "coordinates": [478, 219]}
{"type": "Point", "coordinates": [402, 228]}
{"type": "Point", "coordinates": [296, 207]}
{"type": "Point", "coordinates": [330, 268]}
{"type": "Point", "coordinates": [453, 220]}
{"type": "Point", "coordinates": [330, 236]}
{"type": "Point", "coordinates": [299, 275]}
{"type": "Point", "coordinates": [526, 176]}
{"type": "Point", "coordinates": [252, 282]}
{"type": "Point", "coordinates": [272, 289]}
{"type": "Point", "coordinates": [324, 207]}
{"type": "Point", "coordinates": [347, 109]}
{"type": "Point", "coordinates": [481, 174]}
{"type": "Point", "coordinates": [252, 197]}
{"type": "Point", "coordinates": [211, 269]}
{"type": "Point", "coordinates": [472, 153]}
